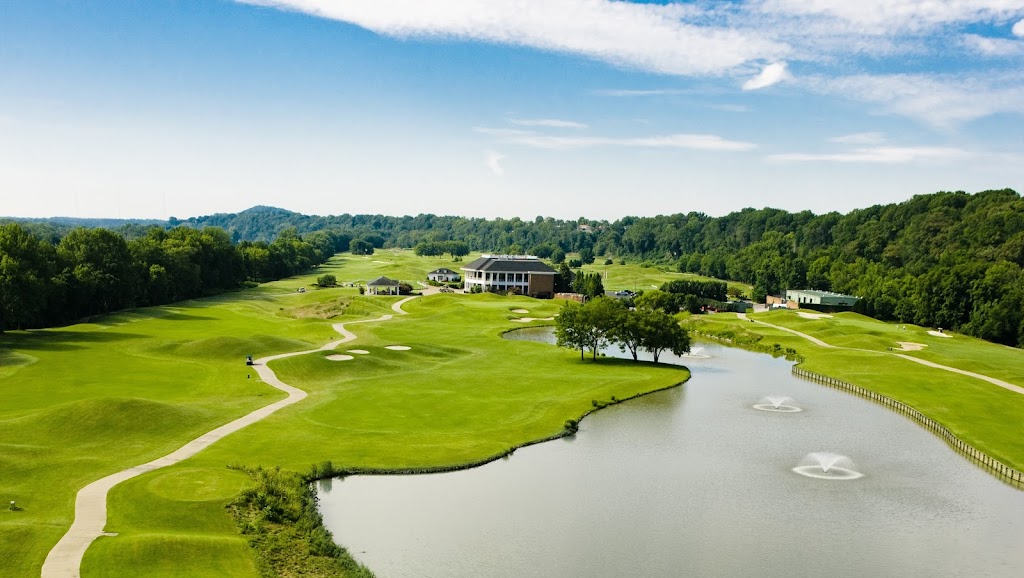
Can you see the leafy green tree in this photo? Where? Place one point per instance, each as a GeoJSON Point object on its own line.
{"type": "Point", "coordinates": [661, 332]}
{"type": "Point", "coordinates": [457, 249]}
{"type": "Point", "coordinates": [360, 247]}
{"type": "Point", "coordinates": [22, 277]}
{"type": "Point", "coordinates": [572, 327]}
{"type": "Point", "coordinates": [587, 255]}
{"type": "Point", "coordinates": [657, 300]}
{"type": "Point", "coordinates": [564, 279]}
{"type": "Point", "coordinates": [602, 316]}
{"type": "Point", "coordinates": [327, 280]}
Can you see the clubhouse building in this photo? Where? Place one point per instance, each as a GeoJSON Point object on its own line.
{"type": "Point", "coordinates": [524, 274]}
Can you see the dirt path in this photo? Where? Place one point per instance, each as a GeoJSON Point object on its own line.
{"type": "Point", "coordinates": [816, 341]}
{"type": "Point", "coordinates": [65, 559]}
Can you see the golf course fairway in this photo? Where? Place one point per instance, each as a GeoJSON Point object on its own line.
{"type": "Point", "coordinates": [89, 400]}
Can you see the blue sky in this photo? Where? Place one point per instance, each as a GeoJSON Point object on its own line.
{"type": "Point", "coordinates": [560, 108]}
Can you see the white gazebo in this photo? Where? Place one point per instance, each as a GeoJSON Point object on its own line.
{"type": "Point", "coordinates": [382, 286]}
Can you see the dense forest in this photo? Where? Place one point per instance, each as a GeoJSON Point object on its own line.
{"type": "Point", "coordinates": [49, 278]}
{"type": "Point", "coordinates": [949, 259]}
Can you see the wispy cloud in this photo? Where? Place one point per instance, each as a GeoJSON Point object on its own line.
{"type": "Point", "coordinates": [942, 101]}
{"type": "Point", "coordinates": [652, 37]}
{"type": "Point", "coordinates": [771, 74]}
{"type": "Point", "coordinates": [887, 16]}
{"type": "Point", "coordinates": [547, 122]}
{"type": "Point", "coordinates": [707, 142]}
{"type": "Point", "coordinates": [883, 155]}
{"type": "Point", "coordinates": [861, 138]}
{"type": "Point", "coordinates": [493, 161]}
{"type": "Point", "coordinates": [757, 41]}
{"type": "Point", "coordinates": [994, 46]}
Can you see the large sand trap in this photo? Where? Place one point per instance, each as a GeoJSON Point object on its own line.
{"type": "Point", "coordinates": [939, 334]}
{"type": "Point", "coordinates": [520, 311]}
{"type": "Point", "coordinates": [807, 315]}
{"type": "Point", "coordinates": [358, 351]}
{"type": "Point", "coordinates": [529, 319]}
{"type": "Point", "coordinates": [910, 346]}
{"type": "Point", "coordinates": [339, 357]}
{"type": "Point", "coordinates": [397, 347]}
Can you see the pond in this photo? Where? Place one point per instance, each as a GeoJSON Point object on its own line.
{"type": "Point", "coordinates": [695, 481]}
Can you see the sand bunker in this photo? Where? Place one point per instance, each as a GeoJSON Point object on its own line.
{"type": "Point", "coordinates": [358, 351]}
{"type": "Point", "coordinates": [397, 347]}
{"type": "Point", "coordinates": [339, 357]}
{"type": "Point", "coordinates": [910, 346]}
{"type": "Point", "coordinates": [939, 334]}
{"type": "Point", "coordinates": [529, 319]}
{"type": "Point", "coordinates": [807, 315]}
{"type": "Point", "coordinates": [520, 311]}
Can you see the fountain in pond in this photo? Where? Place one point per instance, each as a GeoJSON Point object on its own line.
{"type": "Point", "coordinates": [827, 466]}
{"type": "Point", "coordinates": [696, 353]}
{"type": "Point", "coordinates": [777, 403]}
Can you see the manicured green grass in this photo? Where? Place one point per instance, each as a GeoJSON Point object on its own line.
{"type": "Point", "coordinates": [85, 401]}
{"type": "Point", "coordinates": [982, 414]}
{"type": "Point", "coordinates": [636, 277]}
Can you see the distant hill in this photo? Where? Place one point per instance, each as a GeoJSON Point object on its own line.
{"type": "Point", "coordinates": [259, 223]}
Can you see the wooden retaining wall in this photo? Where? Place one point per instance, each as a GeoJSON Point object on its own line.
{"type": "Point", "coordinates": [998, 469]}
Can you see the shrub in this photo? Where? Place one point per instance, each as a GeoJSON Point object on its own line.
{"type": "Point", "coordinates": [327, 280]}
{"type": "Point", "coordinates": [608, 261]}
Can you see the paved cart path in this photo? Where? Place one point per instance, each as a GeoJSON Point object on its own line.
{"type": "Point", "coordinates": [816, 341]}
{"type": "Point", "coordinates": [65, 559]}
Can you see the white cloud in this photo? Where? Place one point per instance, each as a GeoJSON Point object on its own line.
{"type": "Point", "coordinates": [771, 74]}
{"type": "Point", "coordinates": [942, 101]}
{"type": "Point", "coordinates": [994, 46]}
{"type": "Point", "coordinates": [651, 37]}
{"type": "Point", "coordinates": [1018, 29]}
{"type": "Point", "coordinates": [547, 122]}
{"type": "Point", "coordinates": [493, 162]}
{"type": "Point", "coordinates": [708, 142]}
{"type": "Point", "coordinates": [862, 138]}
{"type": "Point", "coordinates": [886, 16]}
{"type": "Point", "coordinates": [883, 155]}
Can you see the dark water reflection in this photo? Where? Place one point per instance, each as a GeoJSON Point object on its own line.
{"type": "Point", "coordinates": [694, 482]}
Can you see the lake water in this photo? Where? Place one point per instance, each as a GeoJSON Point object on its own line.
{"type": "Point", "coordinates": [695, 482]}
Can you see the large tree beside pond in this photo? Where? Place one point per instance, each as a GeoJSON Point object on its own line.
{"type": "Point", "coordinates": [660, 332]}
{"type": "Point", "coordinates": [603, 316]}
{"type": "Point", "coordinates": [603, 321]}
{"type": "Point", "coordinates": [571, 327]}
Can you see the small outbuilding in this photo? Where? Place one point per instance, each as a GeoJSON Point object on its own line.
{"type": "Point", "coordinates": [443, 275]}
{"type": "Point", "coordinates": [823, 300]}
{"type": "Point", "coordinates": [382, 286]}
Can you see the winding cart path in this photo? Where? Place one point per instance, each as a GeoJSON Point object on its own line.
{"type": "Point", "coordinates": [65, 559]}
{"type": "Point", "coordinates": [816, 341]}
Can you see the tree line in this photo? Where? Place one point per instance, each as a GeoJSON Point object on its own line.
{"type": "Point", "coordinates": [47, 282]}
{"type": "Point", "coordinates": [948, 259]}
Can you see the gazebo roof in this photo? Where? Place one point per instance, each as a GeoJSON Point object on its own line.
{"type": "Point", "coordinates": [383, 282]}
